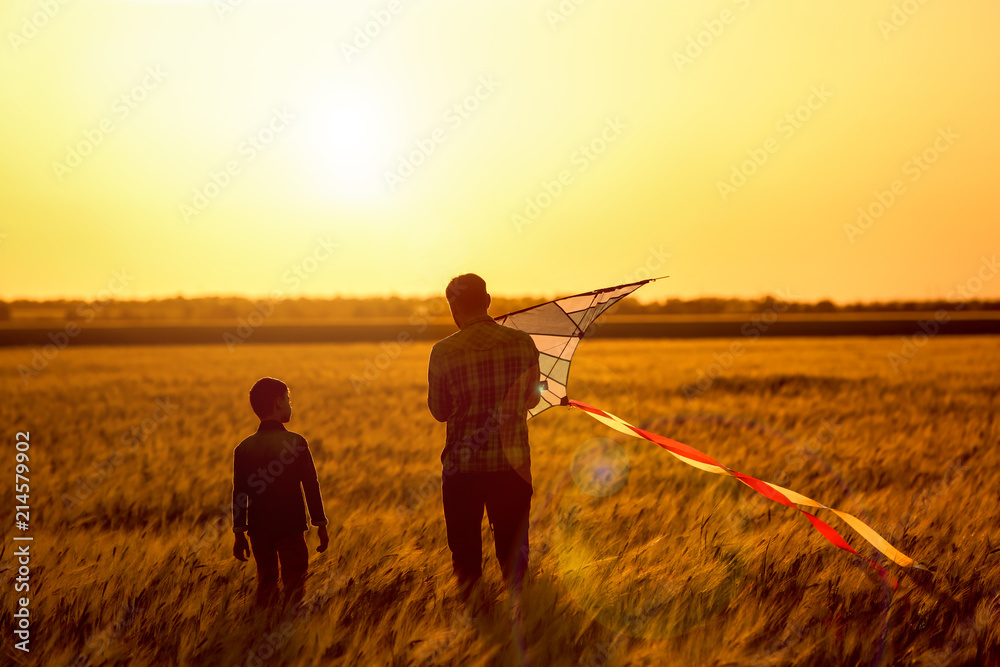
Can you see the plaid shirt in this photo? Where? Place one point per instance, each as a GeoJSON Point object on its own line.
{"type": "Point", "coordinates": [480, 379]}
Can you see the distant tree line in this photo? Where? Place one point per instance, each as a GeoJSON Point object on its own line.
{"type": "Point", "coordinates": [347, 308]}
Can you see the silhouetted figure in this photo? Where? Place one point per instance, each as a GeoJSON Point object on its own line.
{"type": "Point", "coordinates": [270, 470]}
{"type": "Point", "coordinates": [482, 380]}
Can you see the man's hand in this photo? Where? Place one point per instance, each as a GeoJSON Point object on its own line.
{"type": "Point", "coordinates": [324, 539]}
{"type": "Point", "coordinates": [241, 548]}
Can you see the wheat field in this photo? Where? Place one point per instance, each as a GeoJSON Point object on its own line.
{"type": "Point", "coordinates": [636, 558]}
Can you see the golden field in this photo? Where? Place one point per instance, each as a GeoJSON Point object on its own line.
{"type": "Point", "coordinates": [652, 563]}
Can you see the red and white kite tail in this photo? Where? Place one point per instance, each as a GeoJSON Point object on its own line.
{"type": "Point", "coordinates": [778, 494]}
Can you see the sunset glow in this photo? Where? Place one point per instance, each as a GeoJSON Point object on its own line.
{"type": "Point", "coordinates": [840, 151]}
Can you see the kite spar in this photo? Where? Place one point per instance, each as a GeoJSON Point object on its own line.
{"type": "Point", "coordinates": [557, 327]}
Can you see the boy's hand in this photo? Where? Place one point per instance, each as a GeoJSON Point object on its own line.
{"type": "Point", "coordinates": [241, 548]}
{"type": "Point", "coordinates": [324, 539]}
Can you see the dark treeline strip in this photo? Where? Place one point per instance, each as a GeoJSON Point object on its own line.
{"type": "Point", "coordinates": [343, 308]}
{"type": "Point", "coordinates": [912, 329]}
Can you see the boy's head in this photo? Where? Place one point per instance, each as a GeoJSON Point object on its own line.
{"type": "Point", "coordinates": [269, 400]}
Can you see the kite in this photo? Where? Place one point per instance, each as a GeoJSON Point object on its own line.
{"type": "Point", "coordinates": [557, 327]}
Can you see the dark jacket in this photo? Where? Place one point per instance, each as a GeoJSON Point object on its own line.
{"type": "Point", "coordinates": [270, 470]}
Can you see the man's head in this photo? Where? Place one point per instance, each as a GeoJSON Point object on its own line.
{"type": "Point", "coordinates": [467, 297]}
{"type": "Point", "coordinates": [269, 400]}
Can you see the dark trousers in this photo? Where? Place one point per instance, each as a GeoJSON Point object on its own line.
{"type": "Point", "coordinates": [506, 497]}
{"type": "Point", "coordinates": [292, 554]}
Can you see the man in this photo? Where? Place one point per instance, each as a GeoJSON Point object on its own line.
{"type": "Point", "coordinates": [482, 381]}
{"type": "Point", "coordinates": [270, 470]}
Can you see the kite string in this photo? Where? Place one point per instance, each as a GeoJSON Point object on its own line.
{"type": "Point", "coordinates": [702, 461]}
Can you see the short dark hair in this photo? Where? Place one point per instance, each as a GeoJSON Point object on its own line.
{"type": "Point", "coordinates": [467, 291]}
{"type": "Point", "coordinates": [264, 393]}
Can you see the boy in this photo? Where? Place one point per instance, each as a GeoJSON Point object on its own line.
{"type": "Point", "coordinates": [270, 469]}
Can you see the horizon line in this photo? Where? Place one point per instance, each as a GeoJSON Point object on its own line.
{"type": "Point", "coordinates": [405, 297]}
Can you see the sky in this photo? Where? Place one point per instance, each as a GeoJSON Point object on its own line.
{"type": "Point", "coordinates": [814, 150]}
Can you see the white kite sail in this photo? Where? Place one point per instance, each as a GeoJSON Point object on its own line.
{"type": "Point", "coordinates": [557, 328]}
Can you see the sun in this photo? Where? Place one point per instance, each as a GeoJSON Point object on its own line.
{"type": "Point", "coordinates": [350, 136]}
